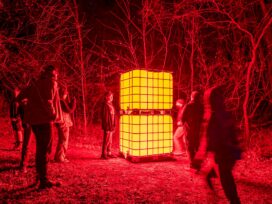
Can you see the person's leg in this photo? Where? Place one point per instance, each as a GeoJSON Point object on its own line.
{"type": "Point", "coordinates": [227, 181]}
{"type": "Point", "coordinates": [58, 153]}
{"type": "Point", "coordinates": [63, 136]}
{"type": "Point", "coordinates": [193, 144]}
{"type": "Point", "coordinates": [26, 139]}
{"type": "Point", "coordinates": [177, 140]}
{"type": "Point", "coordinates": [43, 134]}
{"type": "Point", "coordinates": [185, 143]}
{"type": "Point", "coordinates": [18, 134]}
{"type": "Point", "coordinates": [104, 148]}
{"type": "Point", "coordinates": [109, 143]}
{"type": "Point", "coordinates": [18, 141]}
{"type": "Point", "coordinates": [191, 151]}
{"type": "Point", "coordinates": [211, 174]}
{"type": "Point", "coordinates": [66, 132]}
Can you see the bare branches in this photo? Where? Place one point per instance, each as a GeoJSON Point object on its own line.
{"type": "Point", "coordinates": [204, 43]}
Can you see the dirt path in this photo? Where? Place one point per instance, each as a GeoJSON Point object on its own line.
{"type": "Point", "coordinates": [87, 179]}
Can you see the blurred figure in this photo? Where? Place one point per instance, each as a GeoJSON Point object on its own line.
{"type": "Point", "coordinates": [26, 138]}
{"type": "Point", "coordinates": [180, 146]}
{"type": "Point", "coordinates": [108, 124]}
{"type": "Point", "coordinates": [43, 108]}
{"type": "Point", "coordinates": [68, 107]}
{"type": "Point", "coordinates": [191, 119]}
{"type": "Point", "coordinates": [219, 143]}
{"type": "Point", "coordinates": [16, 122]}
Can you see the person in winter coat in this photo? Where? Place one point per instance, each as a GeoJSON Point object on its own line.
{"type": "Point", "coordinates": [191, 119]}
{"type": "Point", "coordinates": [68, 107]}
{"type": "Point", "coordinates": [108, 124]}
{"type": "Point", "coordinates": [219, 143]}
{"type": "Point", "coordinates": [43, 108]}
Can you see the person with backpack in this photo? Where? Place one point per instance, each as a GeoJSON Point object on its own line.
{"type": "Point", "coordinates": [219, 143]}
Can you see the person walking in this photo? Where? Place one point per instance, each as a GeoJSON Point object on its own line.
{"type": "Point", "coordinates": [219, 143]}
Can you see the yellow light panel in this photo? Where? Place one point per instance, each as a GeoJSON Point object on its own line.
{"type": "Point", "coordinates": [145, 135]}
{"type": "Point", "coordinates": [140, 89]}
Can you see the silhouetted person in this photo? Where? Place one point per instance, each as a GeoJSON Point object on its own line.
{"type": "Point", "coordinates": [191, 119]}
{"type": "Point", "coordinates": [220, 142]}
{"type": "Point", "coordinates": [16, 122]}
{"type": "Point", "coordinates": [42, 109]}
{"type": "Point", "coordinates": [108, 124]}
{"type": "Point", "coordinates": [68, 107]}
{"type": "Point", "coordinates": [26, 138]}
{"type": "Point", "coordinates": [180, 133]}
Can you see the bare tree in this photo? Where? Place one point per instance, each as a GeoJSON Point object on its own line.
{"type": "Point", "coordinates": [215, 43]}
{"type": "Point", "coordinates": [34, 34]}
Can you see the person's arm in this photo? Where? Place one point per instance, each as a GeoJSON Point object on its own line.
{"type": "Point", "coordinates": [73, 106]}
{"type": "Point", "coordinates": [115, 115]}
{"type": "Point", "coordinates": [12, 110]}
{"type": "Point", "coordinates": [184, 114]}
{"type": "Point", "coordinates": [51, 98]}
{"type": "Point", "coordinates": [23, 95]}
{"type": "Point", "coordinates": [103, 115]}
{"type": "Point", "coordinates": [68, 107]}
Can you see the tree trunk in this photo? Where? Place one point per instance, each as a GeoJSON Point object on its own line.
{"type": "Point", "coordinates": [82, 69]}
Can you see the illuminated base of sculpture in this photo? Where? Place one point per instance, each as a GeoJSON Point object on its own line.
{"type": "Point", "coordinates": [152, 158]}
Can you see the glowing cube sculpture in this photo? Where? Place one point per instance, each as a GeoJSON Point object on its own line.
{"type": "Point", "coordinates": [145, 126]}
{"type": "Point", "coordinates": [143, 90]}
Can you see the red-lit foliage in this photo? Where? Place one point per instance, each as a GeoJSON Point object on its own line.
{"type": "Point", "coordinates": [204, 43]}
{"type": "Point", "coordinates": [34, 34]}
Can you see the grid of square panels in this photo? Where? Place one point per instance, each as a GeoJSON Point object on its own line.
{"type": "Point", "coordinates": [146, 135]}
{"type": "Point", "coordinates": [145, 90]}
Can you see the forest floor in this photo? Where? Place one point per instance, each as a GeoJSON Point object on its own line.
{"type": "Point", "coordinates": [88, 179]}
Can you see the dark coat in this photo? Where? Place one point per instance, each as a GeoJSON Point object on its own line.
{"type": "Point", "coordinates": [191, 118]}
{"type": "Point", "coordinates": [222, 137]}
{"type": "Point", "coordinates": [43, 104]}
{"type": "Point", "coordinates": [15, 110]}
{"type": "Point", "coordinates": [108, 119]}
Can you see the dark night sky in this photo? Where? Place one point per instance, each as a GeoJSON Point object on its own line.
{"type": "Point", "coordinates": [91, 9]}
